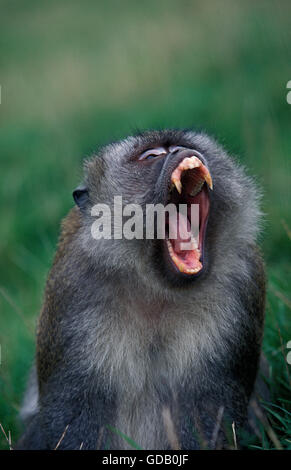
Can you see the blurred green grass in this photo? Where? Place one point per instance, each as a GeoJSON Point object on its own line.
{"type": "Point", "coordinates": [75, 75]}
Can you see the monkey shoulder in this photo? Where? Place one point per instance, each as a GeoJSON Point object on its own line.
{"type": "Point", "coordinates": [58, 291]}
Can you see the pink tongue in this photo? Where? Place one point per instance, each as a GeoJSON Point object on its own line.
{"type": "Point", "coordinates": [179, 226]}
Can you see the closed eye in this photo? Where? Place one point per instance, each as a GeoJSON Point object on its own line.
{"type": "Point", "coordinates": [152, 153]}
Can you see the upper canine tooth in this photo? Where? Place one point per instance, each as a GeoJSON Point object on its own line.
{"type": "Point", "coordinates": [178, 185]}
{"type": "Point", "coordinates": [208, 180]}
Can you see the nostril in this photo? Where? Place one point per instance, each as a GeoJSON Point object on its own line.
{"type": "Point", "coordinates": [175, 148]}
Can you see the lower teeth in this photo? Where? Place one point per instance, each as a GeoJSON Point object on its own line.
{"type": "Point", "coordinates": [180, 266]}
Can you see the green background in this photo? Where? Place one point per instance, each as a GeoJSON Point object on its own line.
{"type": "Point", "coordinates": [75, 75]}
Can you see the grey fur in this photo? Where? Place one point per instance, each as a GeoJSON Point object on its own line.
{"type": "Point", "coordinates": [29, 407]}
{"type": "Point", "coordinates": [136, 340]}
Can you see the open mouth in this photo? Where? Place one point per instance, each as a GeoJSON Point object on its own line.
{"type": "Point", "coordinates": [190, 181]}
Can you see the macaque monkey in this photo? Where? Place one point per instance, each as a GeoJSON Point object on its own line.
{"type": "Point", "coordinates": [138, 339]}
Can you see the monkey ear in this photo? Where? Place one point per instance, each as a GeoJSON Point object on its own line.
{"type": "Point", "coordinates": [81, 196]}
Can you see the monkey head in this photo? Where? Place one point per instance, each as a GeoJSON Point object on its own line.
{"type": "Point", "coordinates": [169, 167]}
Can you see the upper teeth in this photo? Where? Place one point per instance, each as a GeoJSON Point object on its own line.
{"type": "Point", "coordinates": [188, 164]}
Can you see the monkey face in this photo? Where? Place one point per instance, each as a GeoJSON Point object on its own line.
{"type": "Point", "coordinates": [161, 168]}
{"type": "Point", "coordinates": [183, 182]}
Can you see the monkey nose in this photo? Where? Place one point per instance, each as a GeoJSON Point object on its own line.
{"type": "Point", "coordinates": [175, 148]}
